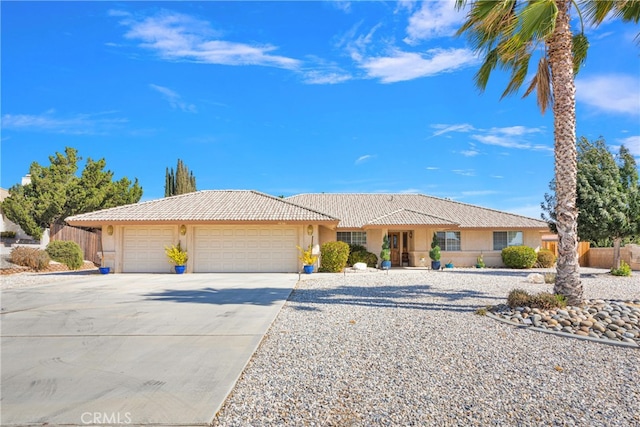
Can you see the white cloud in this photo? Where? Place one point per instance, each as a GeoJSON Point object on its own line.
{"type": "Point", "coordinates": [464, 172]}
{"type": "Point", "coordinates": [443, 128]}
{"type": "Point", "coordinates": [508, 137]}
{"type": "Point", "coordinates": [611, 93]}
{"type": "Point", "coordinates": [632, 143]}
{"type": "Point", "coordinates": [363, 159]}
{"type": "Point", "coordinates": [432, 168]}
{"type": "Point", "coordinates": [469, 153]}
{"type": "Point", "coordinates": [402, 66]}
{"type": "Point", "coordinates": [78, 124]}
{"type": "Point", "coordinates": [434, 19]}
{"type": "Point", "coordinates": [342, 5]}
{"type": "Point", "coordinates": [174, 99]}
{"type": "Point", "coordinates": [178, 37]}
{"type": "Point", "coordinates": [509, 142]}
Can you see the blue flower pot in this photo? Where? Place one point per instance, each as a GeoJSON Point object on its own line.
{"type": "Point", "coordinates": [435, 265]}
{"type": "Point", "coordinates": [308, 269]}
{"type": "Point", "coordinates": [180, 269]}
{"type": "Point", "coordinates": [386, 265]}
{"type": "Point", "coordinates": [104, 270]}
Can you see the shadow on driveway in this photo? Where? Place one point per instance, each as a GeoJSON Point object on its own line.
{"type": "Point", "coordinates": [240, 296]}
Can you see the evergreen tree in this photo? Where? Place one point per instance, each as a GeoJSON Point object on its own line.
{"type": "Point", "coordinates": [56, 192]}
{"type": "Point", "coordinates": [180, 182]}
{"type": "Point", "coordinates": [608, 196]}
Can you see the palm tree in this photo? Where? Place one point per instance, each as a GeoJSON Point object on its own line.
{"type": "Point", "coordinates": [508, 33]}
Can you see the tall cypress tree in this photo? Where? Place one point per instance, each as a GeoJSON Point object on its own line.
{"type": "Point", "coordinates": [180, 182]}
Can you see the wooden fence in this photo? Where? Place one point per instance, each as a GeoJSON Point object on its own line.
{"type": "Point", "coordinates": [583, 250]}
{"type": "Point", "coordinates": [89, 241]}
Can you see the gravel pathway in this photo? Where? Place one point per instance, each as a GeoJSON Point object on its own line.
{"type": "Point", "coordinates": [406, 348]}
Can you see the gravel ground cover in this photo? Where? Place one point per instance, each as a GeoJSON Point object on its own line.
{"type": "Point", "coordinates": [406, 348]}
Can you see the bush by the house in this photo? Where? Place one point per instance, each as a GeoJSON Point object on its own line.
{"type": "Point", "coordinates": [8, 234]}
{"type": "Point", "coordinates": [66, 252]}
{"type": "Point", "coordinates": [334, 256]}
{"type": "Point", "coordinates": [624, 270]}
{"type": "Point", "coordinates": [359, 253]}
{"type": "Point", "coordinates": [34, 258]}
{"type": "Point", "coordinates": [546, 258]}
{"type": "Point", "coordinates": [542, 300]}
{"type": "Point", "coordinates": [519, 257]}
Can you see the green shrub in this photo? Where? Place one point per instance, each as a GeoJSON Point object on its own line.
{"type": "Point", "coordinates": [546, 258]}
{"type": "Point", "coordinates": [34, 258]}
{"type": "Point", "coordinates": [363, 256]}
{"type": "Point", "coordinates": [624, 270]}
{"type": "Point", "coordinates": [434, 253]}
{"type": "Point", "coordinates": [542, 300]}
{"type": "Point", "coordinates": [334, 256]}
{"type": "Point", "coordinates": [519, 257]}
{"type": "Point", "coordinates": [8, 234]}
{"type": "Point", "coordinates": [66, 252]}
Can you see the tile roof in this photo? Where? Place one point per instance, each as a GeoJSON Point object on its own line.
{"type": "Point", "coordinates": [409, 217]}
{"type": "Point", "coordinates": [207, 205]}
{"type": "Point", "coordinates": [357, 210]}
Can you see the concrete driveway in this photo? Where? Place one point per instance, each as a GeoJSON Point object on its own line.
{"type": "Point", "coordinates": [131, 348]}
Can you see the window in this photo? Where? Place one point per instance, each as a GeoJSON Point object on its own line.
{"type": "Point", "coordinates": [352, 237]}
{"type": "Point", "coordinates": [502, 239]}
{"type": "Point", "coordinates": [449, 240]}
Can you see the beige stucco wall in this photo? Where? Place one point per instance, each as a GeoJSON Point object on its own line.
{"type": "Point", "coordinates": [473, 242]}
{"type": "Point", "coordinates": [109, 247]}
{"type": "Point", "coordinates": [603, 257]}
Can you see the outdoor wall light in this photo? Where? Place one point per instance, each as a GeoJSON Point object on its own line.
{"type": "Point", "coordinates": [411, 234]}
{"type": "Point", "coordinates": [110, 230]}
{"type": "Point", "coordinates": [310, 229]}
{"type": "Point", "coordinates": [183, 229]}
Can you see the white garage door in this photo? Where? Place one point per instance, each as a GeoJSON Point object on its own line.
{"type": "Point", "coordinates": [143, 249]}
{"type": "Point", "coordinates": [245, 249]}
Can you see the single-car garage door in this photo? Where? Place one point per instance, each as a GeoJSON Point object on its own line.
{"type": "Point", "coordinates": [245, 249]}
{"type": "Point", "coordinates": [143, 249]}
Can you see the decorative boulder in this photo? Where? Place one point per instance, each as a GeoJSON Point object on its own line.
{"type": "Point", "coordinates": [360, 266]}
{"type": "Point", "coordinates": [535, 278]}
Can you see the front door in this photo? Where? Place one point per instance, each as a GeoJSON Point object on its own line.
{"type": "Point", "coordinates": [394, 242]}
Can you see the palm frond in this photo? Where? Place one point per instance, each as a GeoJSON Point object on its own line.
{"type": "Point", "coordinates": [541, 83]}
{"type": "Point", "coordinates": [482, 76]}
{"type": "Point", "coordinates": [518, 74]}
{"type": "Point", "coordinates": [598, 10]}
{"type": "Point", "coordinates": [535, 22]}
{"type": "Point", "coordinates": [579, 49]}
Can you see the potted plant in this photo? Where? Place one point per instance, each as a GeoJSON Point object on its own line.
{"type": "Point", "coordinates": [103, 269]}
{"type": "Point", "coordinates": [308, 259]}
{"type": "Point", "coordinates": [480, 262]}
{"type": "Point", "coordinates": [449, 264]}
{"type": "Point", "coordinates": [434, 253]}
{"type": "Point", "coordinates": [385, 254]}
{"type": "Point", "coordinates": [177, 256]}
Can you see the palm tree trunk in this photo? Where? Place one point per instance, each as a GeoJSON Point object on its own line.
{"type": "Point", "coordinates": [566, 169]}
{"type": "Point", "coordinates": [616, 252]}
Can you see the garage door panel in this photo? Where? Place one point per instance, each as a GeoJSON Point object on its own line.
{"type": "Point", "coordinates": [143, 249]}
{"type": "Point", "coordinates": [245, 249]}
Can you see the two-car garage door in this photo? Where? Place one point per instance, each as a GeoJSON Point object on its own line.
{"type": "Point", "coordinates": [213, 248]}
{"type": "Point", "coordinates": [245, 249]}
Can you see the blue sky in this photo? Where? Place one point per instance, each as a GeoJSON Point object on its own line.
{"type": "Point", "coordinates": [293, 97]}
